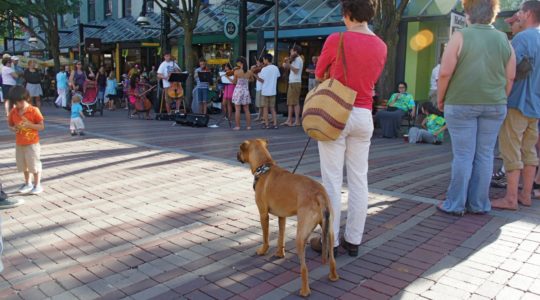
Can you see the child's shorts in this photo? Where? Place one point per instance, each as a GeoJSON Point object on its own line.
{"type": "Point", "coordinates": [28, 158]}
{"type": "Point", "coordinates": [76, 124]}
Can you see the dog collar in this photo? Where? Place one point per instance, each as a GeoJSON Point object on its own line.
{"type": "Point", "coordinates": [259, 172]}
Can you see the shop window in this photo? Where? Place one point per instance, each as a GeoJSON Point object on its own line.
{"type": "Point", "coordinates": [108, 9]}
{"type": "Point", "coordinates": [91, 10]}
{"type": "Point", "coordinates": [127, 8]}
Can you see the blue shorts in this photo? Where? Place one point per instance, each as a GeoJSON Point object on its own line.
{"type": "Point", "coordinates": [202, 95]}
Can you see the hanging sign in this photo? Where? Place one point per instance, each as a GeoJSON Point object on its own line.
{"type": "Point", "coordinates": [92, 45]}
{"type": "Point", "coordinates": [457, 21]}
{"type": "Point", "coordinates": [230, 28]}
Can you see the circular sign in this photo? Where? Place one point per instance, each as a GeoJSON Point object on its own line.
{"type": "Point", "coordinates": [231, 29]}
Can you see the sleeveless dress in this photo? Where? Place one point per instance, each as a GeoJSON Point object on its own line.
{"type": "Point", "coordinates": [241, 94]}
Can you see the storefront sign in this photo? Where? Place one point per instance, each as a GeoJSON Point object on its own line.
{"type": "Point", "coordinates": [231, 29]}
{"type": "Point", "coordinates": [149, 44]}
{"type": "Point", "coordinates": [92, 45]}
{"type": "Point", "coordinates": [218, 61]}
{"type": "Point", "coordinates": [457, 21]}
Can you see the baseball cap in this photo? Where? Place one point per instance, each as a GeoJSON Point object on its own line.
{"type": "Point", "coordinates": [512, 19]}
{"type": "Point", "coordinates": [6, 55]}
{"type": "Point", "coordinates": [14, 58]}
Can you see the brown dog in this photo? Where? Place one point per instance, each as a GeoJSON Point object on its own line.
{"type": "Point", "coordinates": [283, 194]}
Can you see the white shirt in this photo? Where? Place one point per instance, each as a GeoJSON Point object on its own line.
{"type": "Point", "coordinates": [297, 64]}
{"type": "Point", "coordinates": [270, 75]}
{"type": "Point", "coordinates": [435, 77]}
{"type": "Point", "coordinates": [165, 69]}
{"type": "Point", "coordinates": [7, 78]}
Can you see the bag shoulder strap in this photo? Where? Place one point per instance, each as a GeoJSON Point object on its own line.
{"type": "Point", "coordinates": [341, 53]}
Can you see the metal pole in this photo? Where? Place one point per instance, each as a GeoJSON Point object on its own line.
{"type": "Point", "coordinates": [242, 30]}
{"type": "Point", "coordinates": [276, 32]}
{"type": "Point", "coordinates": [81, 42]}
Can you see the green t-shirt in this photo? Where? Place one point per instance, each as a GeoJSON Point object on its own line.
{"type": "Point", "coordinates": [405, 102]}
{"type": "Point", "coordinates": [435, 123]}
{"type": "Point", "coordinates": [480, 75]}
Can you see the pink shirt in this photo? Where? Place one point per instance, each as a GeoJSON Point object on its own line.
{"type": "Point", "coordinates": [365, 56]}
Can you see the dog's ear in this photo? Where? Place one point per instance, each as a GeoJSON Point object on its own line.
{"type": "Point", "coordinates": [264, 142]}
{"type": "Point", "coordinates": [244, 145]}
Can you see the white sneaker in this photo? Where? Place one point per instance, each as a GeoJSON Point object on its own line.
{"type": "Point", "coordinates": [26, 188]}
{"type": "Point", "coordinates": [37, 190]}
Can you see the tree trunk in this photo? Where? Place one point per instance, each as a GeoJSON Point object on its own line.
{"type": "Point", "coordinates": [54, 48]}
{"type": "Point", "coordinates": [388, 31]}
{"type": "Point", "coordinates": [188, 48]}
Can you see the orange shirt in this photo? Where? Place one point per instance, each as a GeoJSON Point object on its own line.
{"type": "Point", "coordinates": [26, 136]}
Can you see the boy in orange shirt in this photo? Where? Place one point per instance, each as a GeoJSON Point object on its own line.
{"type": "Point", "coordinates": [26, 120]}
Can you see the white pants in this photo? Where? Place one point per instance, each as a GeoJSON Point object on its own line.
{"type": "Point", "coordinates": [61, 100]}
{"type": "Point", "coordinates": [351, 149]}
{"type": "Point", "coordinates": [76, 124]}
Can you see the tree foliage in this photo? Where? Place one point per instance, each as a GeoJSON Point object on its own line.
{"type": "Point", "coordinates": [386, 26]}
{"type": "Point", "coordinates": [47, 14]}
{"type": "Point", "coordinates": [185, 14]}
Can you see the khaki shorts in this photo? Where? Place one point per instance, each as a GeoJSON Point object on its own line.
{"type": "Point", "coordinates": [76, 124]}
{"type": "Point", "coordinates": [268, 101]}
{"type": "Point", "coordinates": [168, 99]}
{"type": "Point", "coordinates": [517, 140]}
{"type": "Point", "coordinates": [27, 158]}
{"type": "Point", "coordinates": [293, 94]}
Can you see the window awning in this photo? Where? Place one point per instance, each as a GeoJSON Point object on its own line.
{"type": "Point", "coordinates": [434, 8]}
{"type": "Point", "coordinates": [295, 13]}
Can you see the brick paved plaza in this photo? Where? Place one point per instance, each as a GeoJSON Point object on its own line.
{"type": "Point", "coordinates": [143, 210]}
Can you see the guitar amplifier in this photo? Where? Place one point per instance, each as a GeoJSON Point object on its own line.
{"type": "Point", "coordinates": [193, 120]}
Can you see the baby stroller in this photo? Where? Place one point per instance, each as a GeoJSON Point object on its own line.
{"type": "Point", "coordinates": [90, 101]}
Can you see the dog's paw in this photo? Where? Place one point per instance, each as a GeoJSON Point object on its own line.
{"type": "Point", "coordinates": [262, 250]}
{"type": "Point", "coordinates": [333, 277]}
{"type": "Point", "coordinates": [280, 253]}
{"type": "Point", "coordinates": [305, 292]}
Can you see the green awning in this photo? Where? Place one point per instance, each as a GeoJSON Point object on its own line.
{"type": "Point", "coordinates": [433, 8]}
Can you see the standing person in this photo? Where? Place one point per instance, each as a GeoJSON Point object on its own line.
{"type": "Point", "coordinates": [268, 77]}
{"type": "Point", "coordinates": [33, 77]}
{"type": "Point", "coordinates": [76, 124]}
{"type": "Point", "coordinates": [228, 91]}
{"type": "Point", "coordinates": [202, 87]}
{"type": "Point", "coordinates": [8, 82]}
{"type": "Point", "coordinates": [110, 90]}
{"type": "Point", "coordinates": [295, 64]}
{"type": "Point", "coordinates": [519, 132]}
{"type": "Point", "coordinates": [77, 78]}
{"type": "Point", "coordinates": [312, 82]}
{"type": "Point", "coordinates": [164, 72]}
{"type": "Point", "coordinates": [433, 84]}
{"type": "Point", "coordinates": [351, 148]}
{"type": "Point", "coordinates": [18, 69]}
{"type": "Point", "coordinates": [258, 88]}
{"type": "Point", "coordinates": [474, 109]}
{"type": "Point", "coordinates": [62, 85]}
{"type": "Point", "coordinates": [152, 76]}
{"type": "Point", "coordinates": [26, 121]}
{"type": "Point", "coordinates": [241, 97]}
{"type": "Point", "coordinates": [101, 79]}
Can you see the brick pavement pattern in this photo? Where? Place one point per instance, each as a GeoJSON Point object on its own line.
{"type": "Point", "coordinates": [143, 210]}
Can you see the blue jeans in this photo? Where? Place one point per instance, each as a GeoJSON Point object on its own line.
{"type": "Point", "coordinates": [473, 130]}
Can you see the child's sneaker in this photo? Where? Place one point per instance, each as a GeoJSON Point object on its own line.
{"type": "Point", "coordinates": [81, 133]}
{"type": "Point", "coordinates": [37, 190]}
{"type": "Point", "coordinates": [73, 134]}
{"type": "Point", "coordinates": [26, 188]}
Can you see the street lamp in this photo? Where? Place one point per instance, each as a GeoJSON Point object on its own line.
{"type": "Point", "coordinates": [32, 40]}
{"type": "Point", "coordinates": [143, 20]}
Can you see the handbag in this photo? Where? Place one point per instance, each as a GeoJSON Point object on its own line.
{"type": "Point", "coordinates": [328, 106]}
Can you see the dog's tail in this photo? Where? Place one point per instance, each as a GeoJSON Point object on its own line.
{"type": "Point", "coordinates": [327, 236]}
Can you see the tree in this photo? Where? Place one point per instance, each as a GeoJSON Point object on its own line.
{"type": "Point", "coordinates": [386, 26]}
{"type": "Point", "coordinates": [47, 14]}
{"type": "Point", "coordinates": [185, 15]}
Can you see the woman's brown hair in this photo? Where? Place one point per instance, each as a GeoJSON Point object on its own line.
{"type": "Point", "coordinates": [359, 10]}
{"type": "Point", "coordinates": [481, 11]}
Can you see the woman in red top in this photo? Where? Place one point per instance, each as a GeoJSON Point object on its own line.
{"type": "Point", "coordinates": [365, 55]}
